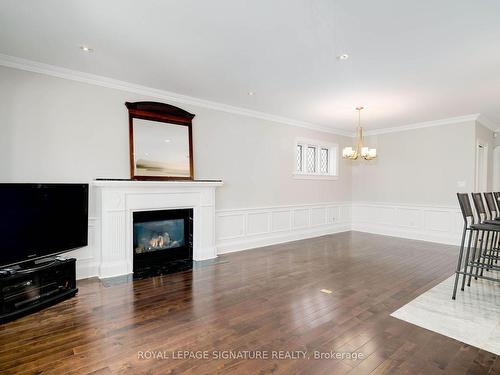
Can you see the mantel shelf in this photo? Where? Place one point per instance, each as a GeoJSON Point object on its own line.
{"type": "Point", "coordinates": [176, 183]}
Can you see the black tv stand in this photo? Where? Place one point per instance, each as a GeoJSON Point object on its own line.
{"type": "Point", "coordinates": [32, 266]}
{"type": "Point", "coordinates": [31, 287]}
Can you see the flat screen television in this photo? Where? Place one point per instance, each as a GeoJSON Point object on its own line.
{"type": "Point", "coordinates": [38, 220]}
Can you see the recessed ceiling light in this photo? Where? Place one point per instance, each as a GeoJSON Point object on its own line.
{"type": "Point", "coordinates": [327, 291]}
{"type": "Point", "coordinates": [344, 56]}
{"type": "Point", "coordinates": [167, 140]}
{"type": "Point", "coordinates": [86, 49]}
{"type": "Point", "coordinates": [251, 93]}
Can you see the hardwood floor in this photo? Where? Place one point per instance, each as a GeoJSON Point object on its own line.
{"type": "Point", "coordinates": [262, 300]}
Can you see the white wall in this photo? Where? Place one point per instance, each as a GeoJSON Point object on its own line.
{"type": "Point", "coordinates": [54, 129]}
{"type": "Point", "coordinates": [410, 189]}
{"type": "Point", "coordinates": [58, 130]}
{"type": "Point", "coordinates": [419, 166]}
{"type": "Point", "coordinates": [496, 162]}
{"type": "Point", "coordinates": [485, 136]}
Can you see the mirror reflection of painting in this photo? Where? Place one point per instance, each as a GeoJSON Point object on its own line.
{"type": "Point", "coordinates": [158, 235]}
{"type": "Point", "coordinates": [161, 149]}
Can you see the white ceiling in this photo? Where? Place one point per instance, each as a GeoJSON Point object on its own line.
{"type": "Point", "coordinates": [410, 61]}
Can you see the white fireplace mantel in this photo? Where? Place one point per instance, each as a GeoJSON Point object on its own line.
{"type": "Point", "coordinates": [115, 202]}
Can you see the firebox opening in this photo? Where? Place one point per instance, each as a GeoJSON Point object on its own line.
{"type": "Point", "coordinates": [162, 242]}
{"type": "Point", "coordinates": [158, 235]}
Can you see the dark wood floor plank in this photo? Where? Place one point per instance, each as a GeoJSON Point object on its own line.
{"type": "Point", "coordinates": [266, 299]}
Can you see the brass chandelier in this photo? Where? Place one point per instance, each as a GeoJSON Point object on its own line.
{"type": "Point", "coordinates": [359, 150]}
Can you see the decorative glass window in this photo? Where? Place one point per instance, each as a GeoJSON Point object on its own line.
{"type": "Point", "coordinates": [315, 159]}
{"type": "Point", "coordinates": [311, 159]}
{"type": "Point", "coordinates": [300, 150]}
{"type": "Point", "coordinates": [323, 160]}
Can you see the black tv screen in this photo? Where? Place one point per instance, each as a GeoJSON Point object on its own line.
{"type": "Point", "coordinates": [38, 220]}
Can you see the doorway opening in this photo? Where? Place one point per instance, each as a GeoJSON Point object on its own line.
{"type": "Point", "coordinates": [481, 167]}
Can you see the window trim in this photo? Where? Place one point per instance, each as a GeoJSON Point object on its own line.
{"type": "Point", "coordinates": [333, 160]}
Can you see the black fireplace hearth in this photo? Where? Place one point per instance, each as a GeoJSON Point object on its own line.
{"type": "Point", "coordinates": [163, 242]}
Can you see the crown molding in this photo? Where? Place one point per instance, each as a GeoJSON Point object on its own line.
{"type": "Point", "coordinates": [426, 124]}
{"type": "Point", "coordinates": [92, 79]}
{"type": "Point", "coordinates": [487, 123]}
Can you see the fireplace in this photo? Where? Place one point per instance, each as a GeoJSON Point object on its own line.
{"type": "Point", "coordinates": [117, 201]}
{"type": "Point", "coordinates": [162, 241]}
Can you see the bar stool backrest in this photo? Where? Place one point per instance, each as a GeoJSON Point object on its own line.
{"type": "Point", "coordinates": [478, 203]}
{"type": "Point", "coordinates": [490, 203]}
{"type": "Point", "coordinates": [466, 208]}
{"type": "Point", "coordinates": [497, 200]}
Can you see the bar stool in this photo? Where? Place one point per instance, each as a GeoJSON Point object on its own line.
{"type": "Point", "coordinates": [497, 200]}
{"type": "Point", "coordinates": [492, 209]}
{"type": "Point", "coordinates": [485, 217]}
{"type": "Point", "coordinates": [471, 229]}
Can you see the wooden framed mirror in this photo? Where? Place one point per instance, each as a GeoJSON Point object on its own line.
{"type": "Point", "coordinates": [161, 142]}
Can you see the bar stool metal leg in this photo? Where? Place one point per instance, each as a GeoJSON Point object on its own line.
{"type": "Point", "coordinates": [473, 257]}
{"type": "Point", "coordinates": [480, 255]}
{"type": "Point", "coordinates": [485, 253]}
{"type": "Point", "coordinates": [466, 262]}
{"type": "Point", "coordinates": [459, 264]}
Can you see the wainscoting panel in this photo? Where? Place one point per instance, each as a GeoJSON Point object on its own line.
{"type": "Point", "coordinates": [300, 218]}
{"type": "Point", "coordinates": [334, 212]}
{"type": "Point", "coordinates": [318, 216]}
{"type": "Point", "coordinates": [408, 217]}
{"type": "Point", "coordinates": [241, 229]}
{"type": "Point", "coordinates": [258, 223]}
{"type": "Point", "coordinates": [386, 215]}
{"type": "Point", "coordinates": [420, 222]}
{"type": "Point", "coordinates": [230, 226]}
{"type": "Point", "coordinates": [345, 213]}
{"type": "Point", "coordinates": [281, 221]}
{"type": "Point", "coordinates": [437, 221]}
